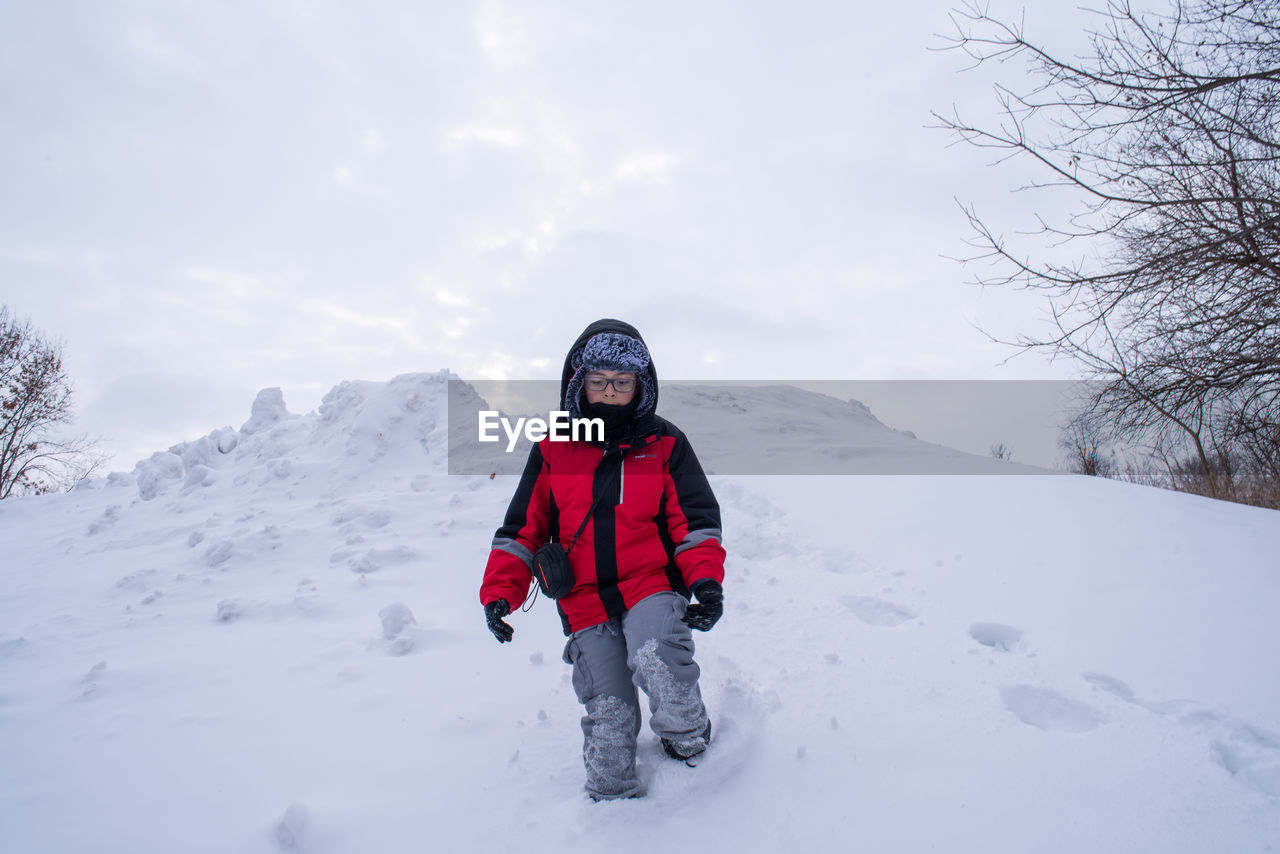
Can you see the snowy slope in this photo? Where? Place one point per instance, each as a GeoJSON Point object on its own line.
{"type": "Point", "coordinates": [270, 640]}
{"type": "Point", "coordinates": [782, 429]}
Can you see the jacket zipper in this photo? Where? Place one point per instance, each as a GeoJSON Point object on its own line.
{"type": "Point", "coordinates": [622, 467]}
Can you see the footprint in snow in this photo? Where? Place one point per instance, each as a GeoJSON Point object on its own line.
{"type": "Point", "coordinates": [219, 553]}
{"type": "Point", "coordinates": [229, 610]}
{"type": "Point", "coordinates": [136, 582]}
{"type": "Point", "coordinates": [842, 563]}
{"type": "Point", "coordinates": [306, 597]}
{"type": "Point", "coordinates": [996, 635]}
{"type": "Point", "coordinates": [1250, 754]}
{"type": "Point", "coordinates": [291, 828]}
{"type": "Point", "coordinates": [12, 646]}
{"type": "Point", "coordinates": [108, 518]}
{"type": "Point", "coordinates": [1049, 710]}
{"type": "Point", "coordinates": [877, 612]}
{"type": "Point", "coordinates": [1112, 686]}
{"type": "Point", "coordinates": [89, 682]}
{"type": "Point", "coordinates": [375, 559]}
{"type": "Point", "coordinates": [377, 518]}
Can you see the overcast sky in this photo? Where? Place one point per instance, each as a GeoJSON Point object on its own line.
{"type": "Point", "coordinates": [202, 200]}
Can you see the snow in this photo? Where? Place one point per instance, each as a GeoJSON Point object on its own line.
{"type": "Point", "coordinates": [269, 639]}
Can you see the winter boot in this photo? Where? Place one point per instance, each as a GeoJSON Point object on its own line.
{"type": "Point", "coordinates": [685, 750]}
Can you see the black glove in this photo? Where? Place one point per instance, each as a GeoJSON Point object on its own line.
{"type": "Point", "coordinates": [710, 605]}
{"type": "Point", "coordinates": [493, 614]}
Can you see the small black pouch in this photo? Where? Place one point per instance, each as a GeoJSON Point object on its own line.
{"type": "Point", "coordinates": [552, 571]}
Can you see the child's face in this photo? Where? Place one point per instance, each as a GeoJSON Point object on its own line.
{"type": "Point", "coordinates": [602, 387]}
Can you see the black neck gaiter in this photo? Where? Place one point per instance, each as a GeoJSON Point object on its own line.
{"type": "Point", "coordinates": [617, 419]}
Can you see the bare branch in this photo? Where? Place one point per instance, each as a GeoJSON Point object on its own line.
{"type": "Point", "coordinates": [1169, 133]}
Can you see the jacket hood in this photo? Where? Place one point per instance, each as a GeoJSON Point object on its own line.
{"type": "Point", "coordinates": [648, 391]}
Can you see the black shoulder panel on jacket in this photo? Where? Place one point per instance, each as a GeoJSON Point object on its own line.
{"type": "Point", "coordinates": [518, 509]}
{"type": "Point", "coordinates": [693, 490]}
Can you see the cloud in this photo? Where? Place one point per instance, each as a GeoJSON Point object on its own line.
{"type": "Point", "coordinates": [648, 165]}
{"type": "Point", "coordinates": [137, 414]}
{"type": "Point", "coordinates": [308, 193]}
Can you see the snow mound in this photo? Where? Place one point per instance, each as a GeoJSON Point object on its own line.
{"type": "Point", "coordinates": [360, 429]}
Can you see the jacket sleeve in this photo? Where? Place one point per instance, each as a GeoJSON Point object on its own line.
{"type": "Point", "coordinates": [693, 516]}
{"type": "Point", "coordinates": [523, 532]}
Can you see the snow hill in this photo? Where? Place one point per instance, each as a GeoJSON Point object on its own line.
{"type": "Point", "coordinates": [269, 639]}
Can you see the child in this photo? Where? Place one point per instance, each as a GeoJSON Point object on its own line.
{"type": "Point", "coordinates": [653, 539]}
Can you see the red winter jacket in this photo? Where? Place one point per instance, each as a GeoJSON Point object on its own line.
{"type": "Point", "coordinates": [656, 528]}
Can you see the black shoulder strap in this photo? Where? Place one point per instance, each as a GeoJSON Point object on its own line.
{"type": "Point", "coordinates": [594, 504]}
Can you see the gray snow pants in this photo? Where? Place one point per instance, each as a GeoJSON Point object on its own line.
{"type": "Point", "coordinates": [648, 647]}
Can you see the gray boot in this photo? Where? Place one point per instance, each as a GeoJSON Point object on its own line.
{"type": "Point", "coordinates": [683, 750]}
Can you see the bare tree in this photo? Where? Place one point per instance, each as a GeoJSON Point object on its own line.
{"type": "Point", "coordinates": [1085, 448]}
{"type": "Point", "coordinates": [1001, 451]}
{"type": "Point", "coordinates": [35, 403]}
{"type": "Point", "coordinates": [1169, 131]}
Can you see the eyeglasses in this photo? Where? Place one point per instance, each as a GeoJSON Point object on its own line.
{"type": "Point", "coordinates": [621, 386]}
